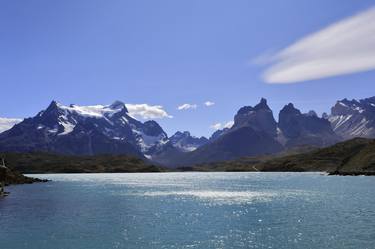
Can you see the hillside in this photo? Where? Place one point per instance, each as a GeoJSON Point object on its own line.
{"type": "Point", "coordinates": [356, 156]}
{"type": "Point", "coordinates": [51, 163]}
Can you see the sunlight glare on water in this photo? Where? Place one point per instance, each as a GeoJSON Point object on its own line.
{"type": "Point", "coordinates": [190, 210]}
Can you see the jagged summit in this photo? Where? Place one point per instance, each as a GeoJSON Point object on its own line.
{"type": "Point", "coordinates": [262, 105]}
{"type": "Point", "coordinates": [185, 142]}
{"type": "Point", "coordinates": [259, 118]}
{"type": "Point", "coordinates": [304, 128]}
{"type": "Point", "coordinates": [118, 105]}
{"type": "Point", "coordinates": [354, 118]}
{"type": "Point", "coordinates": [290, 109]}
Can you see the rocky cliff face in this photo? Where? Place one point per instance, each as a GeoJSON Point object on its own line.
{"type": "Point", "coordinates": [259, 118]}
{"type": "Point", "coordinates": [217, 134]}
{"type": "Point", "coordinates": [353, 118]}
{"type": "Point", "coordinates": [186, 142]}
{"type": "Point", "coordinates": [304, 129]}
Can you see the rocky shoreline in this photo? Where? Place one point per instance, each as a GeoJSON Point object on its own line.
{"type": "Point", "coordinates": [13, 177]}
{"type": "Point", "coordinates": [355, 173]}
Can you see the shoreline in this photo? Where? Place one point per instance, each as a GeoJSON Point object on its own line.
{"type": "Point", "coordinates": [323, 173]}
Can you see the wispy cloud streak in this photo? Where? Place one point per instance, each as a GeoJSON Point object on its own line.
{"type": "Point", "coordinates": [218, 126]}
{"type": "Point", "coordinates": [345, 47]}
{"type": "Point", "coordinates": [187, 107]}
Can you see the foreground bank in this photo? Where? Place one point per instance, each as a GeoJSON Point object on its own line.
{"type": "Point", "coordinates": [40, 163]}
{"type": "Point", "coordinates": [352, 157]}
{"type": "Point", "coordinates": [13, 177]}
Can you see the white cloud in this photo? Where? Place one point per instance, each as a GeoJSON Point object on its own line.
{"type": "Point", "coordinates": [229, 124]}
{"type": "Point", "coordinates": [347, 46]}
{"type": "Point", "coordinates": [187, 107]}
{"type": "Point", "coordinates": [146, 111]}
{"type": "Point", "coordinates": [209, 103]}
{"type": "Point", "coordinates": [218, 126]}
{"type": "Point", "coordinates": [7, 123]}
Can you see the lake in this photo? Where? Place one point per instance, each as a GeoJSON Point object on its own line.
{"type": "Point", "coordinates": [190, 210]}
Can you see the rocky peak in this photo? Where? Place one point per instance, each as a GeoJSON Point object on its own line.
{"type": "Point", "coordinates": [289, 109]}
{"type": "Point", "coordinates": [346, 107]}
{"type": "Point", "coordinates": [312, 113]}
{"type": "Point", "coordinates": [152, 128]}
{"type": "Point", "coordinates": [262, 105]}
{"type": "Point", "coordinates": [50, 116]}
{"type": "Point", "coordinates": [118, 105]}
{"type": "Point", "coordinates": [259, 118]}
{"type": "Point", "coordinates": [53, 107]}
{"type": "Point", "coordinates": [184, 141]}
{"type": "Point", "coordinates": [354, 118]}
{"type": "Point", "coordinates": [368, 101]}
{"type": "Point", "coordinates": [306, 128]}
{"type": "Point", "coordinates": [180, 134]}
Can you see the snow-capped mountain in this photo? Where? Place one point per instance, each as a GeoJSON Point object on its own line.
{"type": "Point", "coordinates": [7, 123]}
{"type": "Point", "coordinates": [77, 129]}
{"type": "Point", "coordinates": [186, 142]}
{"type": "Point", "coordinates": [353, 118]}
{"type": "Point", "coordinates": [110, 129]}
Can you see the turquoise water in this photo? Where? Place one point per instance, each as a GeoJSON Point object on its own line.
{"type": "Point", "coordinates": [190, 210]}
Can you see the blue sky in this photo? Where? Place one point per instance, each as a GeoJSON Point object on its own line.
{"type": "Point", "coordinates": [166, 53]}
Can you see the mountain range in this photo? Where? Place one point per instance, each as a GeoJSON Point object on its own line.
{"type": "Point", "coordinates": [110, 129]}
{"type": "Point", "coordinates": [351, 157]}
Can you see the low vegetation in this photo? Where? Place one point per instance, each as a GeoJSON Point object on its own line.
{"type": "Point", "coordinates": [50, 163]}
{"type": "Point", "coordinates": [353, 157]}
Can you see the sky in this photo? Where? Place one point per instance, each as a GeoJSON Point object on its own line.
{"type": "Point", "coordinates": [190, 65]}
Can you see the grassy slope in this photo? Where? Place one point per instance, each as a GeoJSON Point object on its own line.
{"type": "Point", "coordinates": [355, 156]}
{"type": "Point", "coordinates": [50, 163]}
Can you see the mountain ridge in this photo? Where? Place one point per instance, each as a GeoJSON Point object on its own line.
{"type": "Point", "coordinates": [110, 129]}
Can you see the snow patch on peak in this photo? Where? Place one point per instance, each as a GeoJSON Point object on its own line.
{"type": "Point", "coordinates": [96, 111]}
{"type": "Point", "coordinates": [68, 128]}
{"type": "Point", "coordinates": [145, 142]}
